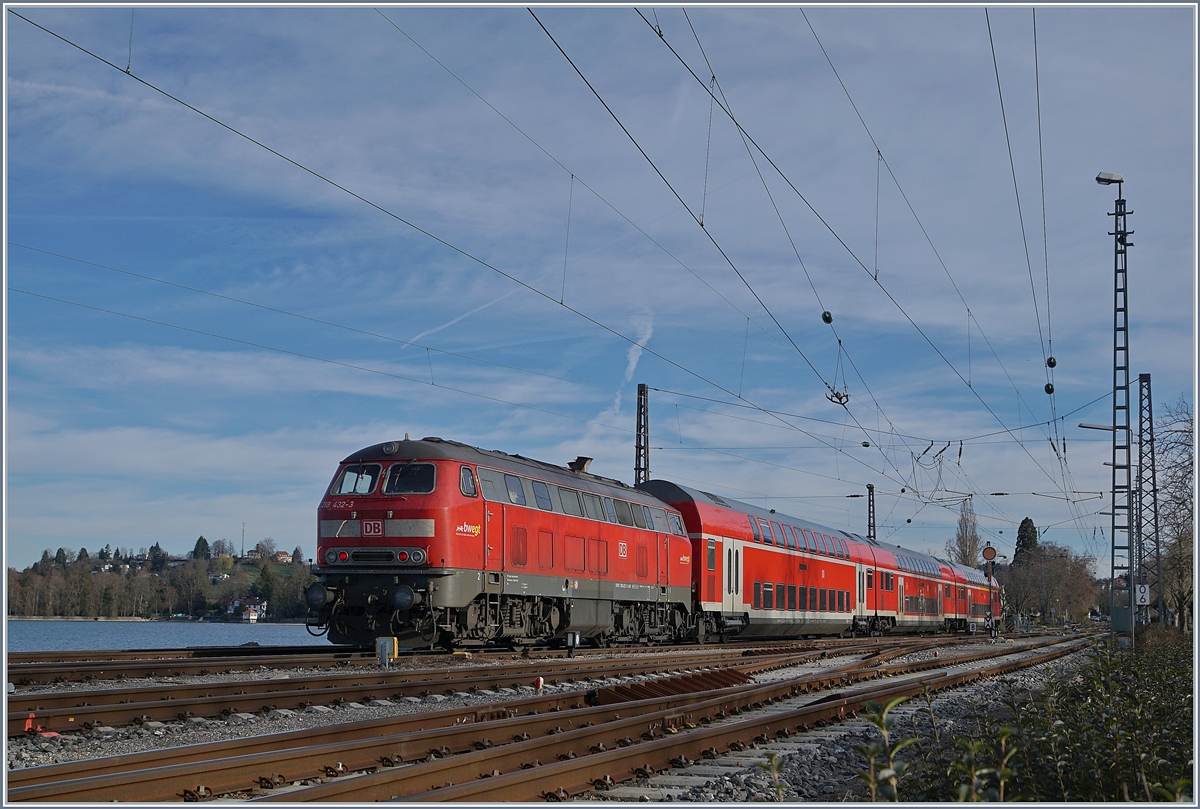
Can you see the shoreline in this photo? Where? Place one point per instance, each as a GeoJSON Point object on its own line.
{"type": "Point", "coordinates": [298, 621]}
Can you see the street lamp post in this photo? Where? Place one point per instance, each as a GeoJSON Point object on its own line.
{"type": "Point", "coordinates": [1121, 559]}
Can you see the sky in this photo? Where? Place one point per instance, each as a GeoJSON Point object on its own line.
{"type": "Point", "coordinates": [242, 243]}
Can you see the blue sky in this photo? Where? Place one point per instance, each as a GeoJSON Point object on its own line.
{"type": "Point", "coordinates": [219, 326]}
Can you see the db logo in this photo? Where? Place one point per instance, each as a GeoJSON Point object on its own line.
{"type": "Point", "coordinates": [372, 528]}
{"type": "Point", "coordinates": [623, 549]}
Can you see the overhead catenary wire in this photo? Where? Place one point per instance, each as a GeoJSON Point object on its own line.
{"type": "Point", "coordinates": [682, 202]}
{"type": "Point", "coordinates": [707, 232]}
{"type": "Point", "coordinates": [880, 158]}
{"type": "Point", "coordinates": [857, 260]}
{"type": "Point", "coordinates": [406, 223]}
{"type": "Point", "coordinates": [580, 181]}
{"type": "Point", "coordinates": [908, 203]}
{"type": "Point", "coordinates": [412, 225]}
{"type": "Point", "coordinates": [1016, 192]}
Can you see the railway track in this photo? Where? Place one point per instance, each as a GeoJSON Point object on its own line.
{"type": "Point", "coordinates": [568, 746]}
{"type": "Point", "coordinates": [76, 709]}
{"type": "Point", "coordinates": [37, 668]}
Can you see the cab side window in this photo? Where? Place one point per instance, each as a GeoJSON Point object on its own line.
{"type": "Point", "coordinates": [516, 493]}
{"type": "Point", "coordinates": [570, 501]}
{"type": "Point", "coordinates": [541, 493]}
{"type": "Point", "coordinates": [466, 482]}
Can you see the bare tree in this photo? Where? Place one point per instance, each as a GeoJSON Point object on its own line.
{"type": "Point", "coordinates": [266, 548]}
{"type": "Point", "coordinates": [1176, 507]}
{"type": "Point", "coordinates": [1020, 587]}
{"type": "Point", "coordinates": [965, 547]}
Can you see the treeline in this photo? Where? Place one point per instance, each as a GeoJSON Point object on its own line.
{"type": "Point", "coordinates": [150, 584]}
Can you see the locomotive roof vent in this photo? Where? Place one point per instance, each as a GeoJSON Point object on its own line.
{"type": "Point", "coordinates": [432, 438]}
{"type": "Point", "coordinates": [580, 464]}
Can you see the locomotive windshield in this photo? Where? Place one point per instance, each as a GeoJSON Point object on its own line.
{"type": "Point", "coordinates": [410, 478]}
{"type": "Point", "coordinates": [357, 479]}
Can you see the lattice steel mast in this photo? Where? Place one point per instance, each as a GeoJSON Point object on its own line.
{"type": "Point", "coordinates": [1149, 560]}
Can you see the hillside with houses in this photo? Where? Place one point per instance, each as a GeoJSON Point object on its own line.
{"type": "Point", "coordinates": [215, 581]}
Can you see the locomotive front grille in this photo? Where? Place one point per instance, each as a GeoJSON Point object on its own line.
{"type": "Point", "coordinates": [375, 557]}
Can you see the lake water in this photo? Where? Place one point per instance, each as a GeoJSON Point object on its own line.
{"type": "Point", "coordinates": [54, 636]}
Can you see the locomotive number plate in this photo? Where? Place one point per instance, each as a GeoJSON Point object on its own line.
{"type": "Point", "coordinates": [372, 528]}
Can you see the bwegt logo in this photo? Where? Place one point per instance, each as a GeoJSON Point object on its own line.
{"type": "Point", "coordinates": [473, 530]}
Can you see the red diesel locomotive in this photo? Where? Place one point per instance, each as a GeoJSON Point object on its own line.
{"type": "Point", "coordinates": [437, 542]}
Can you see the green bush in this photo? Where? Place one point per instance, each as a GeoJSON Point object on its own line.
{"type": "Point", "coordinates": [1119, 731]}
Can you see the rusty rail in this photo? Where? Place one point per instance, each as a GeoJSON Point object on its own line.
{"type": "Point", "coordinates": [560, 779]}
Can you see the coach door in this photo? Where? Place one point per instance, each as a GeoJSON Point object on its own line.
{"type": "Point", "coordinates": [732, 571]}
{"type": "Point", "coordinates": [664, 553]}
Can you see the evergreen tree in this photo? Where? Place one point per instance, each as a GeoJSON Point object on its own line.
{"type": "Point", "coordinates": [1026, 543]}
{"type": "Point", "coordinates": [297, 556]}
{"type": "Point", "coordinates": [44, 565]}
{"type": "Point", "coordinates": [201, 551]}
{"type": "Point", "coordinates": [105, 553]}
{"type": "Point", "coordinates": [265, 583]}
{"type": "Point", "coordinates": [60, 558]}
{"type": "Point", "coordinates": [83, 555]}
{"type": "Point", "coordinates": [157, 557]}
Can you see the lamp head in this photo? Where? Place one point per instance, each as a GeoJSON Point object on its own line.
{"type": "Point", "coordinates": [1108, 178]}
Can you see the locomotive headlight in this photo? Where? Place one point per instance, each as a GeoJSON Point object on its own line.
{"type": "Point", "coordinates": [331, 556]}
{"type": "Point", "coordinates": [317, 596]}
{"type": "Point", "coordinates": [418, 556]}
{"type": "Point", "coordinates": [404, 597]}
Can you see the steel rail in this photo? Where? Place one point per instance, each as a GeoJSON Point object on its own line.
{"type": "Point", "coordinates": [281, 758]}
{"type": "Point", "coordinates": [240, 765]}
{"type": "Point", "coordinates": [181, 653]}
{"type": "Point", "coordinates": [598, 768]}
{"type": "Point", "coordinates": [72, 710]}
{"type": "Point", "coordinates": [562, 701]}
{"type": "Point", "coordinates": [28, 673]}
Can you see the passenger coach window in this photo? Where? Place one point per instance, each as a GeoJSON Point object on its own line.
{"type": "Point", "coordinates": [791, 537]}
{"type": "Point", "coordinates": [754, 530]}
{"type": "Point", "coordinates": [570, 501]}
{"type": "Point", "coordinates": [410, 478]}
{"type": "Point", "coordinates": [358, 479]}
{"type": "Point", "coordinates": [766, 531]}
{"type": "Point", "coordinates": [870, 579]}
{"type": "Point", "coordinates": [516, 494]}
{"type": "Point", "coordinates": [712, 554]}
{"type": "Point", "coordinates": [466, 482]}
{"type": "Point", "coordinates": [541, 493]}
